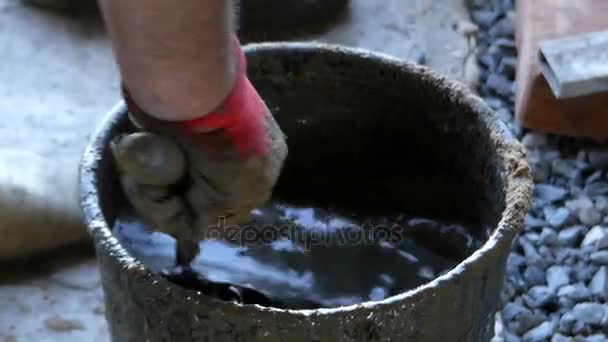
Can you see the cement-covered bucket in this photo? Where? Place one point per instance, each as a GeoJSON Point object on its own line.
{"type": "Point", "coordinates": [394, 131]}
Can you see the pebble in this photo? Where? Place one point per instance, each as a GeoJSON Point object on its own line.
{"type": "Point", "coordinates": [540, 172]}
{"type": "Point", "coordinates": [526, 321]}
{"type": "Point", "coordinates": [591, 313]}
{"type": "Point", "coordinates": [601, 203]}
{"type": "Point", "coordinates": [505, 47]}
{"type": "Point", "coordinates": [565, 303]}
{"type": "Point", "coordinates": [534, 275]}
{"type": "Point", "coordinates": [576, 292]}
{"type": "Point", "coordinates": [566, 323]}
{"type": "Point", "coordinates": [577, 183]}
{"type": "Point", "coordinates": [534, 140]}
{"type": "Point", "coordinates": [499, 84]}
{"type": "Point", "coordinates": [478, 3]}
{"type": "Point", "coordinates": [550, 193]}
{"type": "Point", "coordinates": [508, 66]}
{"type": "Point", "coordinates": [596, 338]}
{"type": "Point", "coordinates": [557, 276]}
{"type": "Point", "coordinates": [584, 271]}
{"type": "Point", "coordinates": [507, 6]}
{"type": "Point", "coordinates": [560, 338]}
{"type": "Point", "coordinates": [540, 333]}
{"type": "Point", "coordinates": [588, 214]}
{"type": "Point", "coordinates": [562, 254]}
{"type": "Point", "coordinates": [551, 154]}
{"type": "Point", "coordinates": [559, 218]}
{"type": "Point", "coordinates": [599, 283]}
{"type": "Point", "coordinates": [509, 337]}
{"type": "Point", "coordinates": [548, 237]}
{"type": "Point", "coordinates": [575, 204]}
{"type": "Point", "coordinates": [546, 253]}
{"type": "Point", "coordinates": [595, 177]}
{"type": "Point", "coordinates": [534, 238]}
{"type": "Point", "coordinates": [484, 18]}
{"type": "Point", "coordinates": [598, 159]}
{"type": "Point", "coordinates": [596, 189]}
{"type": "Point", "coordinates": [532, 255]}
{"type": "Point", "coordinates": [571, 236]}
{"type": "Point", "coordinates": [515, 260]}
{"type": "Point", "coordinates": [564, 167]}
{"type": "Point", "coordinates": [600, 257]}
{"type": "Point", "coordinates": [539, 297]}
{"type": "Point", "coordinates": [534, 222]}
{"type": "Point", "coordinates": [511, 311]}
{"type": "Point", "coordinates": [502, 28]}
{"type": "Point", "coordinates": [466, 28]}
{"type": "Point", "coordinates": [597, 237]}
{"type": "Point", "coordinates": [580, 328]}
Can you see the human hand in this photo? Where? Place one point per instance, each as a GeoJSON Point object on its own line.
{"type": "Point", "coordinates": [186, 177]}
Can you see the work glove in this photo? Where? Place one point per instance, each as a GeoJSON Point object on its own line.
{"type": "Point", "coordinates": [199, 179]}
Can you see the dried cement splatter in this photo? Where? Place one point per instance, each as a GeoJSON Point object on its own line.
{"type": "Point", "coordinates": [59, 324]}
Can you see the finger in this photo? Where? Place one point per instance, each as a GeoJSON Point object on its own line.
{"type": "Point", "coordinates": [186, 251]}
{"type": "Point", "coordinates": [157, 206]}
{"type": "Point", "coordinates": [149, 159]}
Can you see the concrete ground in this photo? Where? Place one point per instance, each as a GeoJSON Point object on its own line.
{"type": "Point", "coordinates": [58, 80]}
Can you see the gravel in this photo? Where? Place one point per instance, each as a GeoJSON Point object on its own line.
{"type": "Point", "coordinates": [600, 258]}
{"type": "Point", "coordinates": [596, 338]}
{"type": "Point", "coordinates": [540, 297]}
{"type": "Point", "coordinates": [591, 313]}
{"type": "Point", "coordinates": [597, 237]}
{"type": "Point", "coordinates": [598, 158]}
{"type": "Point", "coordinates": [512, 311]}
{"type": "Point", "coordinates": [566, 323]}
{"type": "Point", "coordinates": [526, 321]}
{"type": "Point", "coordinates": [560, 338]}
{"type": "Point", "coordinates": [548, 237]}
{"type": "Point", "coordinates": [534, 275]}
{"type": "Point", "coordinates": [571, 236]}
{"type": "Point", "coordinates": [557, 274]}
{"type": "Point", "coordinates": [559, 217]}
{"type": "Point", "coordinates": [540, 333]}
{"type": "Point", "coordinates": [549, 193]}
{"type": "Point", "coordinates": [599, 284]}
{"type": "Point", "coordinates": [597, 189]}
{"type": "Point", "coordinates": [584, 271]}
{"type": "Point", "coordinates": [577, 292]}
{"type": "Point", "coordinates": [588, 214]}
{"type": "Point", "coordinates": [601, 203]}
{"type": "Point", "coordinates": [485, 18]}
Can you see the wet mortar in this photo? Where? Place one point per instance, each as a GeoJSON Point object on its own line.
{"type": "Point", "coordinates": [309, 257]}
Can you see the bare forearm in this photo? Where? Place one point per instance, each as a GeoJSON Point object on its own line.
{"type": "Point", "coordinates": [174, 56]}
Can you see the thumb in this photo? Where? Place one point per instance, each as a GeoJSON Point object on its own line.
{"type": "Point", "coordinates": [149, 159]}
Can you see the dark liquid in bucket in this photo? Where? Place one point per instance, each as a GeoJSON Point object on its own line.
{"type": "Point", "coordinates": [307, 257]}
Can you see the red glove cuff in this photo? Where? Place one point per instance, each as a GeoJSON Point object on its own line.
{"type": "Point", "coordinates": [241, 116]}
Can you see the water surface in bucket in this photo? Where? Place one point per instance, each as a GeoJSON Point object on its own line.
{"type": "Point", "coordinates": [311, 257]}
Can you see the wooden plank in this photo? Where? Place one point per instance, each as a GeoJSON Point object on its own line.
{"type": "Point", "coordinates": [576, 65]}
{"type": "Point", "coordinates": [536, 106]}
